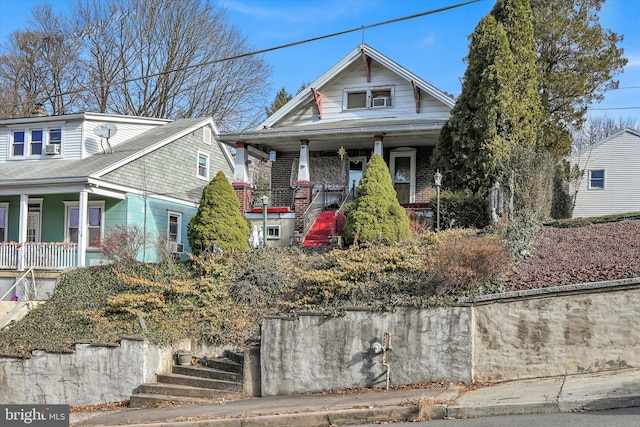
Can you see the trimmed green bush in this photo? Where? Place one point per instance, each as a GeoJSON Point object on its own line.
{"type": "Point", "coordinates": [376, 215]}
{"type": "Point", "coordinates": [461, 210]}
{"type": "Point", "coordinates": [219, 219]}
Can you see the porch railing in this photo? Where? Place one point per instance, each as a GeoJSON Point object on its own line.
{"type": "Point", "coordinates": [278, 197]}
{"type": "Point", "coordinates": [38, 255]}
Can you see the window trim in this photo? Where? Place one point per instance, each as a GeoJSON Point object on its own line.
{"type": "Point", "coordinates": [5, 206]}
{"type": "Point", "coordinates": [591, 179]}
{"type": "Point", "coordinates": [274, 227]}
{"type": "Point", "coordinates": [368, 103]}
{"type": "Point", "coordinates": [27, 136]}
{"type": "Point", "coordinates": [91, 204]}
{"type": "Point", "coordinates": [207, 167]}
{"type": "Point", "coordinates": [178, 215]}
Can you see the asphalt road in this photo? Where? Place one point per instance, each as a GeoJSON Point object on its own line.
{"type": "Point", "coordinates": [627, 417]}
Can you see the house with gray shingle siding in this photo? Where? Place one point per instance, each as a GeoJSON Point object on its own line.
{"type": "Point", "coordinates": [67, 181]}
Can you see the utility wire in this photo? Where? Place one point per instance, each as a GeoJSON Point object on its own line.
{"type": "Point", "coordinates": [242, 55]}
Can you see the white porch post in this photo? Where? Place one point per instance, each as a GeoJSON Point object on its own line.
{"type": "Point", "coordinates": [304, 175]}
{"type": "Point", "coordinates": [22, 231]}
{"type": "Point", "coordinates": [241, 170]}
{"type": "Point", "coordinates": [377, 148]}
{"type": "Point", "coordinates": [82, 227]}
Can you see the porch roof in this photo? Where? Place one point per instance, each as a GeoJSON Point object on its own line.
{"type": "Point", "coordinates": [359, 133]}
{"type": "Point", "coordinates": [60, 171]}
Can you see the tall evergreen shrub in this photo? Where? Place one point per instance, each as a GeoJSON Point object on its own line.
{"type": "Point", "coordinates": [376, 216]}
{"type": "Point", "coordinates": [218, 219]}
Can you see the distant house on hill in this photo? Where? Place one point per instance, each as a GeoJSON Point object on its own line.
{"type": "Point", "coordinates": [66, 181]}
{"type": "Point", "coordinates": [319, 143]}
{"type": "Point", "coordinates": [611, 180]}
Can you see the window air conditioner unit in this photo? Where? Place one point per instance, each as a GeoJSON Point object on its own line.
{"type": "Point", "coordinates": [381, 102]}
{"type": "Point", "coordinates": [52, 149]}
{"type": "Point", "coordinates": [176, 248]}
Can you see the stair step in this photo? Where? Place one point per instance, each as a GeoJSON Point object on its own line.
{"type": "Point", "coordinates": [204, 372]}
{"type": "Point", "coordinates": [199, 382]}
{"type": "Point", "coordinates": [142, 400]}
{"type": "Point", "coordinates": [184, 391]}
{"type": "Point", "coordinates": [223, 364]}
{"type": "Point", "coordinates": [235, 356]}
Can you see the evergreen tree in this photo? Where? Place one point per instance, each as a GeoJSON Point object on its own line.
{"type": "Point", "coordinates": [282, 97]}
{"type": "Point", "coordinates": [474, 143]}
{"type": "Point", "coordinates": [577, 63]}
{"type": "Point", "coordinates": [376, 216]}
{"type": "Point", "coordinates": [218, 219]}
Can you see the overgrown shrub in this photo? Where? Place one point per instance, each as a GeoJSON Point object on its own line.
{"type": "Point", "coordinates": [461, 210]}
{"type": "Point", "coordinates": [468, 262]}
{"type": "Point", "coordinates": [376, 216]}
{"type": "Point", "coordinates": [218, 219]}
{"type": "Point", "coordinates": [561, 202]}
{"type": "Point", "coordinates": [518, 235]}
{"type": "Point", "coordinates": [123, 243]}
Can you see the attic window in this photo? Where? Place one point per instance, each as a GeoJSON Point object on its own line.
{"type": "Point", "coordinates": [356, 100]}
{"type": "Point", "coordinates": [374, 97]}
{"type": "Point", "coordinates": [381, 98]}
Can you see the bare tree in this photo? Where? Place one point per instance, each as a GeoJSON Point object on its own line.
{"type": "Point", "coordinates": [598, 128]}
{"type": "Point", "coordinates": [41, 63]}
{"type": "Point", "coordinates": [155, 58]}
{"type": "Point", "coordinates": [156, 46]}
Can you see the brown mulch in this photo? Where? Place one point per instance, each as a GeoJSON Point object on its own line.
{"type": "Point", "coordinates": [592, 253]}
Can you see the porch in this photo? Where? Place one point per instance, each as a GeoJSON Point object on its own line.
{"type": "Point", "coordinates": [38, 256]}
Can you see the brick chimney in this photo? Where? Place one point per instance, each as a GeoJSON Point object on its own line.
{"type": "Point", "coordinates": [37, 110]}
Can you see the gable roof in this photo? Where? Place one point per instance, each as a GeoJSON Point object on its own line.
{"type": "Point", "coordinates": [606, 139]}
{"type": "Point", "coordinates": [80, 170]}
{"type": "Point", "coordinates": [353, 56]}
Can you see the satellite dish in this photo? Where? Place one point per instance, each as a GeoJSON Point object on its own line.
{"type": "Point", "coordinates": [105, 130]}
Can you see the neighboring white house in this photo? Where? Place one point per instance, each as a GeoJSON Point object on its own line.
{"type": "Point", "coordinates": [611, 180]}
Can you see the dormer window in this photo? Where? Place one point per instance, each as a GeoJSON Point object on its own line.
{"type": "Point", "coordinates": [374, 97]}
{"type": "Point", "coordinates": [31, 142]}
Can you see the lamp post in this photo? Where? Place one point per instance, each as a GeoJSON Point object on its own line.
{"type": "Point", "coordinates": [265, 203]}
{"type": "Point", "coordinates": [438, 180]}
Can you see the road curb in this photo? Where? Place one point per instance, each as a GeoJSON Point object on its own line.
{"type": "Point", "coordinates": [342, 417]}
{"type": "Point", "coordinates": [497, 410]}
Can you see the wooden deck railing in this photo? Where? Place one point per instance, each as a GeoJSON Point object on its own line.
{"type": "Point", "coordinates": [37, 255]}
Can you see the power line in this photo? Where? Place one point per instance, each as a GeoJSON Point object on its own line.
{"type": "Point", "coordinates": [242, 55]}
{"type": "Point", "coordinates": [613, 108]}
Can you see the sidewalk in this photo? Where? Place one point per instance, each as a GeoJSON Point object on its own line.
{"type": "Point", "coordinates": [598, 391]}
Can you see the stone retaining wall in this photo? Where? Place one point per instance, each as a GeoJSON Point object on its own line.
{"type": "Point", "coordinates": [310, 353]}
{"type": "Point", "coordinates": [92, 374]}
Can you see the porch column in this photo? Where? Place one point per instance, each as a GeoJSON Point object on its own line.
{"type": "Point", "coordinates": [83, 213]}
{"type": "Point", "coordinates": [240, 182]}
{"type": "Point", "coordinates": [304, 176]}
{"type": "Point", "coordinates": [377, 147]}
{"type": "Point", "coordinates": [22, 231]}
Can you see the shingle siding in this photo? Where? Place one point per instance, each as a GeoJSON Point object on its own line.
{"type": "Point", "coordinates": [172, 170]}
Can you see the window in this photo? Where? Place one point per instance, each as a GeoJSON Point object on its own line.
{"type": "Point", "coordinates": [32, 142]}
{"type": "Point", "coordinates": [596, 179]}
{"type": "Point", "coordinates": [273, 232]}
{"type": "Point", "coordinates": [206, 134]}
{"type": "Point", "coordinates": [95, 223]}
{"type": "Point", "coordinates": [174, 227]}
{"type": "Point", "coordinates": [18, 143]}
{"type": "Point", "coordinates": [55, 136]}
{"type": "Point", "coordinates": [356, 100]}
{"type": "Point", "coordinates": [374, 97]}
{"type": "Point", "coordinates": [4, 210]}
{"type": "Point", "coordinates": [36, 141]}
{"type": "Point", "coordinates": [203, 166]}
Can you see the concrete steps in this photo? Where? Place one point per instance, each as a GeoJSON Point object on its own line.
{"type": "Point", "coordinates": [211, 379]}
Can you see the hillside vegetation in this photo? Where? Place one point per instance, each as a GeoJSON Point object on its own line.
{"type": "Point", "coordinates": [221, 301]}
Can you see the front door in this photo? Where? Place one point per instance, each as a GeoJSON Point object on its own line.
{"type": "Point", "coordinates": [33, 225]}
{"type": "Point", "coordinates": [403, 172]}
{"type": "Point", "coordinates": [356, 169]}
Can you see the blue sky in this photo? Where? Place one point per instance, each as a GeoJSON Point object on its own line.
{"type": "Point", "coordinates": [431, 46]}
